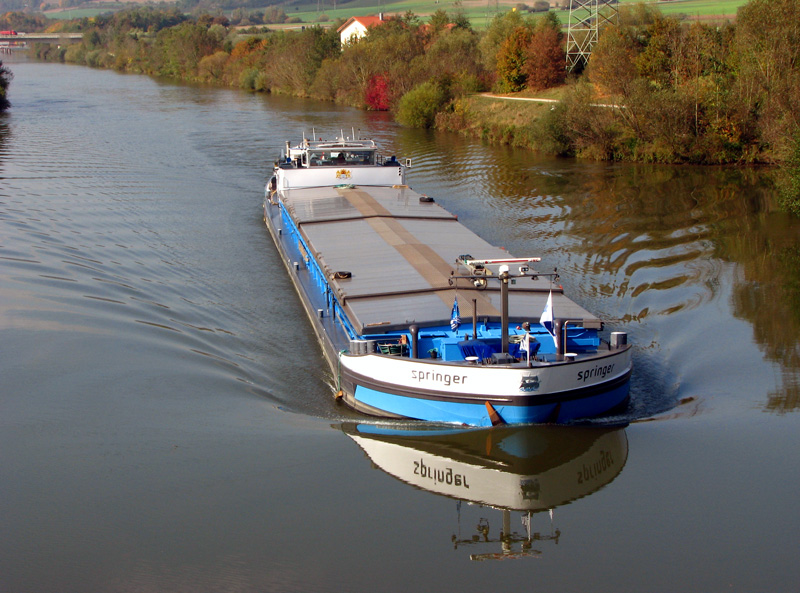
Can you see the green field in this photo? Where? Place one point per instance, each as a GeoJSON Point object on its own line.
{"type": "Point", "coordinates": [697, 7]}
{"type": "Point", "coordinates": [76, 13]}
{"type": "Point", "coordinates": [478, 12]}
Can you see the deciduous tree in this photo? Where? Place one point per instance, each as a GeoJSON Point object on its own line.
{"type": "Point", "coordinates": [611, 64]}
{"type": "Point", "coordinates": [766, 61]}
{"type": "Point", "coordinates": [5, 80]}
{"type": "Point", "coordinates": [511, 73]}
{"type": "Point", "coordinates": [546, 56]}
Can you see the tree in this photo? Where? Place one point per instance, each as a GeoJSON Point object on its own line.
{"type": "Point", "coordinates": [5, 80]}
{"type": "Point", "coordinates": [418, 107]}
{"type": "Point", "coordinates": [499, 29]}
{"type": "Point", "coordinates": [611, 64]}
{"type": "Point", "coordinates": [179, 49]}
{"type": "Point", "coordinates": [23, 21]}
{"type": "Point", "coordinates": [274, 14]}
{"type": "Point", "coordinates": [766, 60]}
{"type": "Point", "coordinates": [454, 53]}
{"type": "Point", "coordinates": [591, 131]}
{"type": "Point", "coordinates": [296, 57]}
{"type": "Point", "coordinates": [459, 18]}
{"type": "Point", "coordinates": [511, 74]}
{"type": "Point", "coordinates": [438, 21]}
{"type": "Point", "coordinates": [544, 62]}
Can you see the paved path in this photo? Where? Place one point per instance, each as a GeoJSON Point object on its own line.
{"type": "Point", "coordinates": [492, 96]}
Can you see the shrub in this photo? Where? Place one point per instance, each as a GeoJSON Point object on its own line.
{"type": "Point", "coordinates": [211, 68]}
{"type": "Point", "coordinates": [377, 96]}
{"type": "Point", "coordinates": [5, 80]}
{"type": "Point", "coordinates": [550, 135]}
{"type": "Point", "coordinates": [789, 198]}
{"type": "Point", "coordinates": [418, 107]}
{"type": "Point", "coordinates": [247, 79]}
{"type": "Point", "coordinates": [75, 54]}
{"type": "Point", "coordinates": [96, 58]}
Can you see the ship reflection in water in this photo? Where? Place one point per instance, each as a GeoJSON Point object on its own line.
{"type": "Point", "coordinates": [521, 469]}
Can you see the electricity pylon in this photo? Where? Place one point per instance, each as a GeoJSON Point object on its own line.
{"type": "Point", "coordinates": [586, 18]}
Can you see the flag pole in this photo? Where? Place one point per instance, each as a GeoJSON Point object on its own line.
{"type": "Point", "coordinates": [528, 346]}
{"type": "Point", "coordinates": [474, 319]}
{"type": "Point", "coordinates": [504, 308]}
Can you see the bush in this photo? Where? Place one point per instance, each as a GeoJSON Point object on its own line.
{"type": "Point", "coordinates": [550, 134]}
{"type": "Point", "coordinates": [211, 68]}
{"type": "Point", "coordinates": [5, 80]}
{"type": "Point", "coordinates": [418, 107]}
{"type": "Point", "coordinates": [789, 197]}
{"type": "Point", "coordinates": [97, 58]}
{"type": "Point", "coordinates": [377, 95]}
{"type": "Point", "coordinates": [247, 79]}
{"type": "Point", "coordinates": [75, 54]}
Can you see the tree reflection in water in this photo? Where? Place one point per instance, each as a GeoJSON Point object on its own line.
{"type": "Point", "coordinates": [679, 225]}
{"type": "Point", "coordinates": [660, 237]}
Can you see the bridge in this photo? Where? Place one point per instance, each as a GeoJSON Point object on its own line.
{"type": "Point", "coordinates": [8, 42]}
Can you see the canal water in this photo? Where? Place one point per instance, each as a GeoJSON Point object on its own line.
{"type": "Point", "coordinates": [167, 420]}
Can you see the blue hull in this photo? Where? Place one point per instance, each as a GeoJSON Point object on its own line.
{"type": "Point", "coordinates": [434, 410]}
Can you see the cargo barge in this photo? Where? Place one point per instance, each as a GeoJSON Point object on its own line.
{"type": "Point", "coordinates": [384, 272]}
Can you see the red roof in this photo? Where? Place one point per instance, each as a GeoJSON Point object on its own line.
{"type": "Point", "coordinates": [366, 21]}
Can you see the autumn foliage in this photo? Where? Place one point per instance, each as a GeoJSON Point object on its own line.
{"type": "Point", "coordinates": [531, 55]}
{"type": "Point", "coordinates": [544, 64]}
{"type": "Point", "coordinates": [377, 95]}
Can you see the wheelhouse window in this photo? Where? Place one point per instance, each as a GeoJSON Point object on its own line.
{"type": "Point", "coordinates": [334, 157]}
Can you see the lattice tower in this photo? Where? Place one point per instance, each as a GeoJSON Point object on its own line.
{"type": "Point", "coordinates": [586, 18]}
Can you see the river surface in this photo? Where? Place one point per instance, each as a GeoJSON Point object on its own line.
{"type": "Point", "coordinates": [167, 420]}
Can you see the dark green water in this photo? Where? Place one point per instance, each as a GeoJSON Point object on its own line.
{"type": "Point", "coordinates": [166, 419]}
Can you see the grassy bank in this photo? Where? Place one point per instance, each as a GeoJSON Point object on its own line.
{"type": "Point", "coordinates": [516, 121]}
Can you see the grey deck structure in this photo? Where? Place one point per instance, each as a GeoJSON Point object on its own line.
{"type": "Point", "coordinates": [401, 252]}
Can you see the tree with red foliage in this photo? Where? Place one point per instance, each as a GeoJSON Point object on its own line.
{"type": "Point", "coordinates": [544, 63]}
{"type": "Point", "coordinates": [377, 94]}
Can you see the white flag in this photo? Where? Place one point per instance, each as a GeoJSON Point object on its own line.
{"type": "Point", "coordinates": [547, 315]}
{"type": "Point", "coordinates": [547, 318]}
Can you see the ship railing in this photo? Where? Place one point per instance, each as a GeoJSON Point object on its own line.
{"type": "Point", "coordinates": [393, 349]}
{"type": "Point", "coordinates": [384, 345]}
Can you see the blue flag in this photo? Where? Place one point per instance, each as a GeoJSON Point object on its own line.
{"type": "Point", "coordinates": [455, 316]}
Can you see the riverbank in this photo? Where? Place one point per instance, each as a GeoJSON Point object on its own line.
{"type": "Point", "coordinates": [514, 120]}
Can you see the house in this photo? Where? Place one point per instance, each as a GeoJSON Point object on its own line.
{"type": "Point", "coordinates": [356, 27]}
